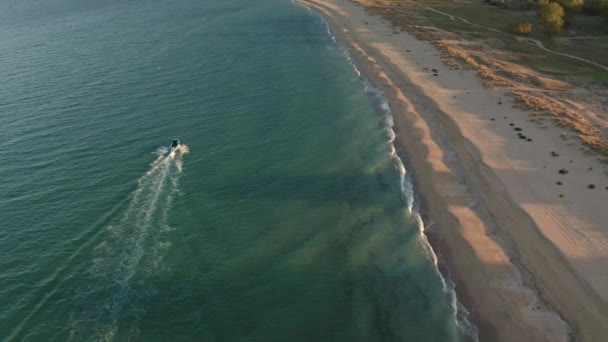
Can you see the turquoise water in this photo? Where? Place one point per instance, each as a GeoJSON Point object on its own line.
{"type": "Point", "coordinates": [285, 220]}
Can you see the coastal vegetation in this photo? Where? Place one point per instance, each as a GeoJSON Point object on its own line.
{"type": "Point", "coordinates": [540, 49]}
{"type": "Point", "coordinates": [556, 14]}
{"type": "Point", "coordinates": [522, 27]}
{"type": "Point", "coordinates": [552, 16]}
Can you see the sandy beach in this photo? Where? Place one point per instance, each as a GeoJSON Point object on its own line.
{"type": "Point", "coordinates": [525, 244]}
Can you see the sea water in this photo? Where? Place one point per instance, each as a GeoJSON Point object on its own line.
{"type": "Point", "coordinates": [284, 216]}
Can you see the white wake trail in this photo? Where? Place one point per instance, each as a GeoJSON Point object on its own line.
{"type": "Point", "coordinates": [129, 253]}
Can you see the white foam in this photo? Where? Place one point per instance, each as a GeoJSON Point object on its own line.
{"type": "Point", "coordinates": [133, 247]}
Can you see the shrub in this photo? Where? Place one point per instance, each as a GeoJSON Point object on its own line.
{"type": "Point", "coordinates": [523, 27]}
{"type": "Point", "coordinates": [552, 16]}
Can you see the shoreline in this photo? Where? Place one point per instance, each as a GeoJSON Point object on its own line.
{"type": "Point", "coordinates": [517, 280]}
{"type": "Point", "coordinates": [417, 205]}
{"type": "Point", "coordinates": [440, 248]}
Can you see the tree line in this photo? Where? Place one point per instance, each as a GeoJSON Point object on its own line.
{"type": "Point", "coordinates": [556, 14]}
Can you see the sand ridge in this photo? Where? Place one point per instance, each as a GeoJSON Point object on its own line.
{"type": "Point", "coordinates": [529, 265]}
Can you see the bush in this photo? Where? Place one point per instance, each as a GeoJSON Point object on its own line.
{"type": "Point", "coordinates": [523, 27]}
{"type": "Point", "coordinates": [552, 16]}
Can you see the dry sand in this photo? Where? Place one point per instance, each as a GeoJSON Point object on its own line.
{"type": "Point", "coordinates": [529, 264]}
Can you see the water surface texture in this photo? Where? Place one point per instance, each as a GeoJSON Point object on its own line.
{"type": "Point", "coordinates": [285, 220]}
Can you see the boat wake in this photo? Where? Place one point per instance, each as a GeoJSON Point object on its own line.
{"type": "Point", "coordinates": [130, 252]}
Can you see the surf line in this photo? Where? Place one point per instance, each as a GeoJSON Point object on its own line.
{"type": "Point", "coordinates": [461, 315]}
{"type": "Point", "coordinates": [130, 251]}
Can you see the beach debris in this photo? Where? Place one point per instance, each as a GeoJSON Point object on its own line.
{"type": "Point", "coordinates": [435, 75]}
{"type": "Point", "coordinates": [554, 154]}
{"type": "Point", "coordinates": [434, 70]}
{"type": "Point", "coordinates": [589, 168]}
{"type": "Point", "coordinates": [529, 139]}
{"type": "Point", "coordinates": [499, 102]}
{"type": "Point", "coordinates": [561, 195]}
{"type": "Point", "coordinates": [591, 186]}
{"type": "Point", "coordinates": [559, 183]}
{"type": "Point", "coordinates": [562, 171]}
{"type": "Point", "coordinates": [570, 162]}
{"type": "Point", "coordinates": [517, 129]}
{"type": "Point", "coordinates": [492, 119]}
{"type": "Point", "coordinates": [511, 124]}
